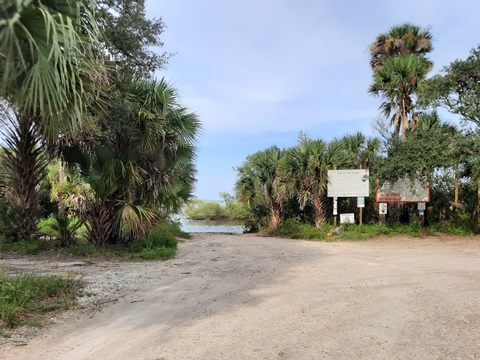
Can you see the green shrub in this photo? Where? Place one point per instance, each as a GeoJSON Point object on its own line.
{"type": "Point", "coordinates": [63, 228]}
{"type": "Point", "coordinates": [159, 243]}
{"type": "Point", "coordinates": [294, 229]}
{"type": "Point", "coordinates": [173, 228]}
{"type": "Point", "coordinates": [198, 209]}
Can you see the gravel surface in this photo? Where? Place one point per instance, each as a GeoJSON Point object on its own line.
{"type": "Point", "coordinates": [251, 297]}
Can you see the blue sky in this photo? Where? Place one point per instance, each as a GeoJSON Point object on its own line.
{"type": "Point", "coordinates": [257, 72]}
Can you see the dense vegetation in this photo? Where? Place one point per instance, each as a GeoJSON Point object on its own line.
{"type": "Point", "coordinates": [285, 189]}
{"type": "Point", "coordinates": [91, 141]}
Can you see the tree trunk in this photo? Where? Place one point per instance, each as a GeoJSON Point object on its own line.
{"type": "Point", "coordinates": [457, 180]}
{"type": "Point", "coordinates": [25, 163]}
{"type": "Point", "coordinates": [101, 221]}
{"type": "Point", "coordinates": [319, 210]}
{"type": "Point", "coordinates": [275, 216]}
{"type": "Point", "coordinates": [478, 201]}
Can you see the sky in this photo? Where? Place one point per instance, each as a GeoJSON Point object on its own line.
{"type": "Point", "coordinates": [259, 72]}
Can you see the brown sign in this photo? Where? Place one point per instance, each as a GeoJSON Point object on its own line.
{"type": "Point", "coordinates": [403, 190]}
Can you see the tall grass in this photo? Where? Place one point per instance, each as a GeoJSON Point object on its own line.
{"type": "Point", "coordinates": [26, 296]}
{"type": "Point", "coordinates": [295, 229]}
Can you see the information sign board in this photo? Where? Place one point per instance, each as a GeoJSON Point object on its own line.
{"type": "Point", "coordinates": [348, 183]}
{"type": "Point", "coordinates": [404, 190]}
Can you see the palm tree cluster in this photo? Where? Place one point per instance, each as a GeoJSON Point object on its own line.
{"type": "Point", "coordinates": [122, 143]}
{"type": "Point", "coordinates": [291, 183]}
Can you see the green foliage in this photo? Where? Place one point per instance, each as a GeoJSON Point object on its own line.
{"type": "Point", "coordinates": [28, 294]}
{"type": "Point", "coordinates": [159, 243]}
{"type": "Point", "coordinates": [457, 89]}
{"type": "Point", "coordinates": [130, 36]}
{"type": "Point", "coordinates": [257, 185]}
{"type": "Point", "coordinates": [28, 247]}
{"type": "Point", "coordinates": [61, 227]}
{"type": "Point", "coordinates": [6, 220]}
{"type": "Point", "coordinates": [231, 209]}
{"type": "Point", "coordinates": [200, 210]}
{"type": "Point", "coordinates": [235, 210]}
{"type": "Point", "coordinates": [173, 228]}
{"type": "Point", "coordinates": [294, 229]}
{"type": "Point", "coordinates": [160, 253]}
{"type": "Point", "coordinates": [83, 249]}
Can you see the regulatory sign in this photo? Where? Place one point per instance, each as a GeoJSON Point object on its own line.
{"type": "Point", "coordinates": [348, 183]}
{"type": "Point", "coordinates": [403, 190]}
{"type": "Point", "coordinates": [382, 208]}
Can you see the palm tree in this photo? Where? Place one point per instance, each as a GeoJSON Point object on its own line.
{"type": "Point", "coordinates": [401, 39]}
{"type": "Point", "coordinates": [304, 169]}
{"type": "Point", "coordinates": [397, 82]}
{"type": "Point", "coordinates": [48, 65]}
{"type": "Point", "coordinates": [361, 151]}
{"type": "Point", "coordinates": [257, 184]}
{"type": "Point", "coordinates": [142, 162]}
{"type": "Point", "coordinates": [398, 60]}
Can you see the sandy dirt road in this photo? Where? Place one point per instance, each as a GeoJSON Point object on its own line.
{"type": "Point", "coordinates": [250, 297]}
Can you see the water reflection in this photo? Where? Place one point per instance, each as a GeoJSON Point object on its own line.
{"type": "Point", "coordinates": [221, 226]}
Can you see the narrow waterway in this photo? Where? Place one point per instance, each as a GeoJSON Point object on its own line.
{"type": "Point", "coordinates": [212, 226]}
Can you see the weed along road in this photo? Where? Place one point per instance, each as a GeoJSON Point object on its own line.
{"type": "Point", "coordinates": [251, 297]}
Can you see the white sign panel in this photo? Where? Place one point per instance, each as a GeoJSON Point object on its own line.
{"type": "Point", "coordinates": [348, 183]}
{"type": "Point", "coordinates": [361, 201]}
{"type": "Point", "coordinates": [404, 190]}
{"type": "Point", "coordinates": [347, 218]}
{"type": "Point", "coordinates": [382, 208]}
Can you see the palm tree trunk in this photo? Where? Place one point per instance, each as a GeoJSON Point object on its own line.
{"type": "Point", "coordinates": [25, 163]}
{"type": "Point", "coordinates": [101, 221]}
{"type": "Point", "coordinates": [275, 217]}
{"type": "Point", "coordinates": [319, 212]}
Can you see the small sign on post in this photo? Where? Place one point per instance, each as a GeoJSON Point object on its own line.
{"type": "Point", "coordinates": [360, 201]}
{"type": "Point", "coordinates": [382, 208]}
